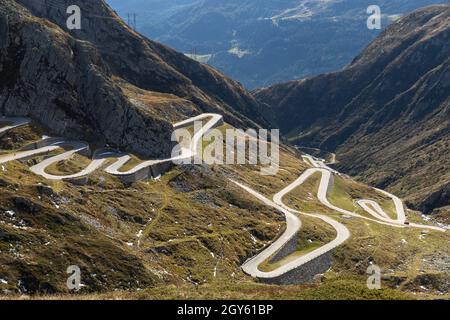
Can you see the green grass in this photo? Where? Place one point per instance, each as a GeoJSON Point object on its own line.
{"type": "Point", "coordinates": [353, 288]}
{"type": "Point", "coordinates": [304, 197]}
{"type": "Point", "coordinates": [179, 225]}
{"type": "Point", "coordinates": [346, 192]}
{"type": "Point", "coordinates": [343, 196]}
{"type": "Point", "coordinates": [313, 234]}
{"type": "Point", "coordinates": [370, 240]}
{"type": "Point", "coordinates": [70, 166]}
{"type": "Point", "coordinates": [20, 136]}
{"type": "Point", "coordinates": [130, 164]}
{"type": "Point", "coordinates": [388, 206]}
{"type": "Point", "coordinates": [194, 222]}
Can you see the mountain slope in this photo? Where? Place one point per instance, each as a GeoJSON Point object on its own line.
{"type": "Point", "coordinates": [386, 114]}
{"type": "Point", "coordinates": [56, 79]}
{"type": "Point", "coordinates": [144, 86]}
{"type": "Point", "coordinates": [186, 234]}
{"type": "Point", "coordinates": [262, 42]}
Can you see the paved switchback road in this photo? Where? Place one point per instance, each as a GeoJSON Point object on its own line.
{"type": "Point", "coordinates": [140, 171]}
{"type": "Point", "coordinates": [293, 223]}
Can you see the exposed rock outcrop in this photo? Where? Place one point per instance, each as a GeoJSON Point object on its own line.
{"type": "Point", "coordinates": [438, 199]}
{"type": "Point", "coordinates": [150, 65]}
{"type": "Point", "coordinates": [75, 82]}
{"type": "Point", "coordinates": [64, 84]}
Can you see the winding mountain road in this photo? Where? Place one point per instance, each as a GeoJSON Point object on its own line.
{"type": "Point", "coordinates": [12, 123]}
{"type": "Point", "coordinates": [374, 209]}
{"type": "Point", "coordinates": [293, 225]}
{"type": "Point", "coordinates": [293, 222]}
{"type": "Point", "coordinates": [141, 171]}
{"type": "Point", "coordinates": [77, 147]}
{"type": "Point", "coordinates": [21, 155]}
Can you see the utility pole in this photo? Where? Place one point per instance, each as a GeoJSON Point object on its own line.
{"type": "Point", "coordinates": [132, 20]}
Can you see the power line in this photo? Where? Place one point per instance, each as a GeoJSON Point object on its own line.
{"type": "Point", "coordinates": [62, 6]}
{"type": "Point", "coordinates": [55, 4]}
{"type": "Point", "coordinates": [131, 20]}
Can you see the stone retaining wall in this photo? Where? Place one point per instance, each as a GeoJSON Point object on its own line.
{"type": "Point", "coordinates": [304, 273]}
{"type": "Point", "coordinates": [40, 144]}
{"type": "Point", "coordinates": [288, 248]}
{"type": "Point", "coordinates": [330, 185]}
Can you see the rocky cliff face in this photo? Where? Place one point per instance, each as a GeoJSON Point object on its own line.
{"type": "Point", "coordinates": [438, 199]}
{"type": "Point", "coordinates": [387, 114]}
{"type": "Point", "coordinates": [64, 84]}
{"type": "Point", "coordinates": [73, 82]}
{"type": "Point", "coordinates": [150, 65]}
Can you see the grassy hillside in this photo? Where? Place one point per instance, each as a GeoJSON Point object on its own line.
{"type": "Point", "coordinates": [187, 235]}
{"type": "Point", "coordinates": [385, 115]}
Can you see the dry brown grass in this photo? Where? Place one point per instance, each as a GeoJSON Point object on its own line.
{"type": "Point", "coordinates": [193, 223]}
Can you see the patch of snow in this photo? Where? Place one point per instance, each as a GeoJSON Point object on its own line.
{"type": "Point", "coordinates": [202, 58]}
{"type": "Point", "coordinates": [238, 52]}
{"type": "Point", "coordinates": [394, 17]}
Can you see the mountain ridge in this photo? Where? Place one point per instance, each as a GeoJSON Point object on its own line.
{"type": "Point", "coordinates": [383, 106]}
{"type": "Point", "coordinates": [118, 62]}
{"type": "Point", "coordinates": [263, 42]}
